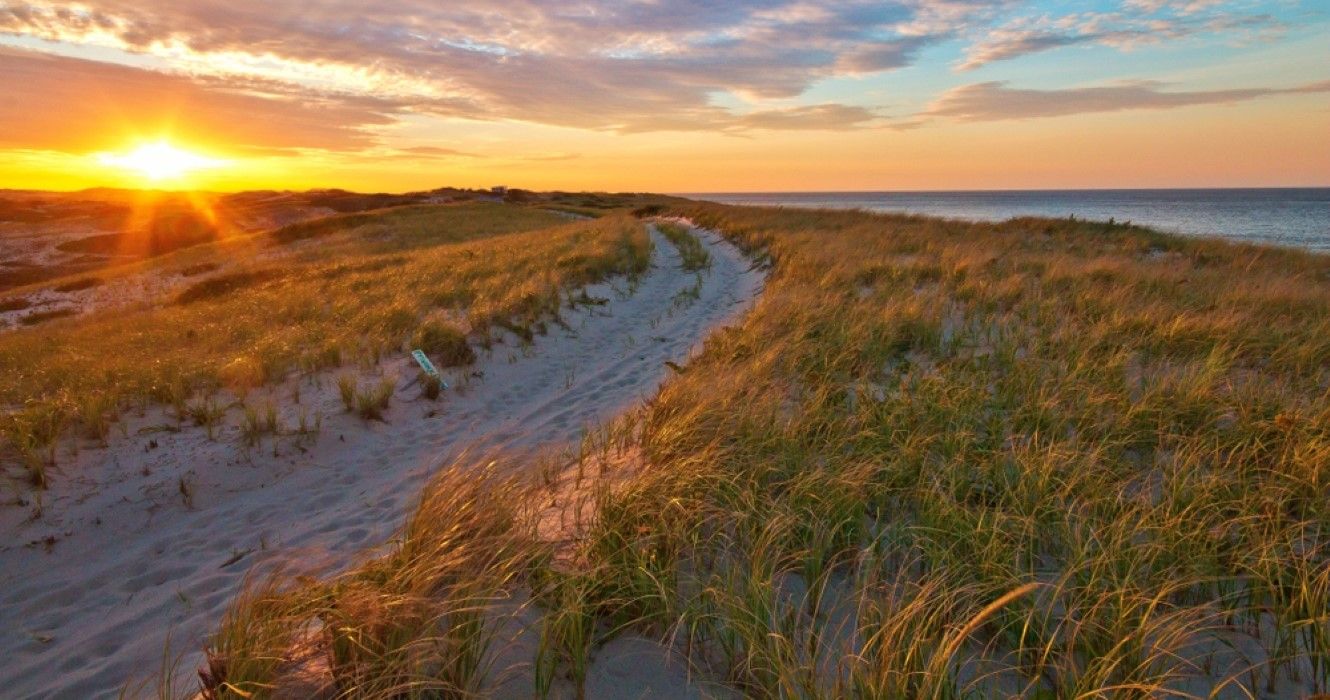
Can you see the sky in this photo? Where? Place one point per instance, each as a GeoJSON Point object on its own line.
{"type": "Point", "coordinates": [687, 96]}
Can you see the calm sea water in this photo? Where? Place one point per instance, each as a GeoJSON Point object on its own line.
{"type": "Point", "coordinates": [1289, 217]}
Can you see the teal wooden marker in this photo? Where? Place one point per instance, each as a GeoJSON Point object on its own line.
{"type": "Point", "coordinates": [428, 367]}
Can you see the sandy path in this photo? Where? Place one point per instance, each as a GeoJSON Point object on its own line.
{"type": "Point", "coordinates": [129, 559]}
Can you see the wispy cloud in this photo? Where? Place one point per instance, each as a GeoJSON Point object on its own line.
{"type": "Point", "coordinates": [71, 104]}
{"type": "Point", "coordinates": [995, 101]}
{"type": "Point", "coordinates": [1139, 23]}
{"type": "Point", "coordinates": [437, 152]}
{"type": "Point", "coordinates": [823, 116]}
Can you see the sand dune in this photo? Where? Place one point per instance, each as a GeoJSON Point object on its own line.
{"type": "Point", "coordinates": [153, 534]}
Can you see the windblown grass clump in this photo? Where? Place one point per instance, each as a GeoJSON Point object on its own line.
{"type": "Point", "coordinates": [417, 622]}
{"type": "Point", "coordinates": [372, 402]}
{"type": "Point", "coordinates": [373, 284]}
{"type": "Point", "coordinates": [694, 254]}
{"type": "Point", "coordinates": [445, 343]}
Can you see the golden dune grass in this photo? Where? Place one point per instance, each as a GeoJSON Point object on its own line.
{"type": "Point", "coordinates": [1041, 458]}
{"type": "Point", "coordinates": [344, 290]}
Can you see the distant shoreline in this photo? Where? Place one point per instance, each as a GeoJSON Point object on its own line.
{"type": "Point", "coordinates": [738, 193]}
{"type": "Point", "coordinates": [1296, 217]}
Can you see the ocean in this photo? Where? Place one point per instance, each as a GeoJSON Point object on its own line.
{"type": "Point", "coordinates": [1298, 217]}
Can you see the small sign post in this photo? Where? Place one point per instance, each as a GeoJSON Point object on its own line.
{"type": "Point", "coordinates": [428, 367]}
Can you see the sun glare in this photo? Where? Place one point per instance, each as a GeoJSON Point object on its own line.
{"type": "Point", "coordinates": [159, 161]}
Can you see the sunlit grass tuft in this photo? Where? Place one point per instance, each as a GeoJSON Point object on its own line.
{"type": "Point", "coordinates": [694, 254]}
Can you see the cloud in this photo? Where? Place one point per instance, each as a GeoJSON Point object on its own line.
{"type": "Point", "coordinates": [1188, 7]}
{"type": "Point", "coordinates": [74, 105]}
{"type": "Point", "coordinates": [823, 116]}
{"type": "Point", "coordinates": [436, 152]}
{"type": "Point", "coordinates": [881, 56]}
{"type": "Point", "coordinates": [336, 74]}
{"type": "Point", "coordinates": [553, 157]}
{"type": "Point", "coordinates": [597, 64]}
{"type": "Point", "coordinates": [1145, 22]}
{"type": "Point", "coordinates": [995, 101]}
{"type": "Point", "coordinates": [1008, 45]}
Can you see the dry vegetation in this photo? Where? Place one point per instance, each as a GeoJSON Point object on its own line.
{"type": "Point", "coordinates": [1128, 430]}
{"type": "Point", "coordinates": [694, 254]}
{"type": "Point", "coordinates": [1047, 459]}
{"type": "Point", "coordinates": [368, 286]}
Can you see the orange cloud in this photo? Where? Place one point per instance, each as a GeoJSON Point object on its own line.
{"type": "Point", "coordinates": [73, 105]}
{"type": "Point", "coordinates": [995, 101]}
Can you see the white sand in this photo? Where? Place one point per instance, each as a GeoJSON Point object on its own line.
{"type": "Point", "coordinates": [90, 590]}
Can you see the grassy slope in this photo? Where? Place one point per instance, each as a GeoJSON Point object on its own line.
{"type": "Point", "coordinates": [368, 284]}
{"type": "Point", "coordinates": [924, 416]}
{"type": "Point", "coordinates": [1046, 458]}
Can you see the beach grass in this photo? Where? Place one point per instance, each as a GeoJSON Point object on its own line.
{"type": "Point", "coordinates": [343, 290]}
{"type": "Point", "coordinates": [1041, 458]}
{"type": "Point", "coordinates": [418, 621]}
{"type": "Point", "coordinates": [694, 254]}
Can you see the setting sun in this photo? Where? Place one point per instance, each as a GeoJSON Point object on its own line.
{"type": "Point", "coordinates": [159, 161]}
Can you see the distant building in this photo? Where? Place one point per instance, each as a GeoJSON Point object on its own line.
{"type": "Point", "coordinates": [500, 190]}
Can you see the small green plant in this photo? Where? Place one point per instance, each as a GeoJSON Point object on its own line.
{"type": "Point", "coordinates": [33, 461]}
{"type": "Point", "coordinates": [271, 422]}
{"type": "Point", "coordinates": [307, 428]}
{"type": "Point", "coordinates": [346, 388]}
{"type": "Point", "coordinates": [567, 635]}
{"type": "Point", "coordinates": [96, 412]}
{"type": "Point", "coordinates": [521, 330]}
{"type": "Point", "coordinates": [690, 247]}
{"type": "Point", "coordinates": [371, 403]}
{"type": "Point", "coordinates": [174, 392]}
{"type": "Point", "coordinates": [207, 413]}
{"type": "Point", "coordinates": [34, 433]}
{"type": "Point", "coordinates": [259, 422]}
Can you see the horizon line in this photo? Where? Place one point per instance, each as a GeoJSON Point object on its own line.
{"type": "Point", "coordinates": [1009, 189]}
{"type": "Point", "coordinates": [679, 193]}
